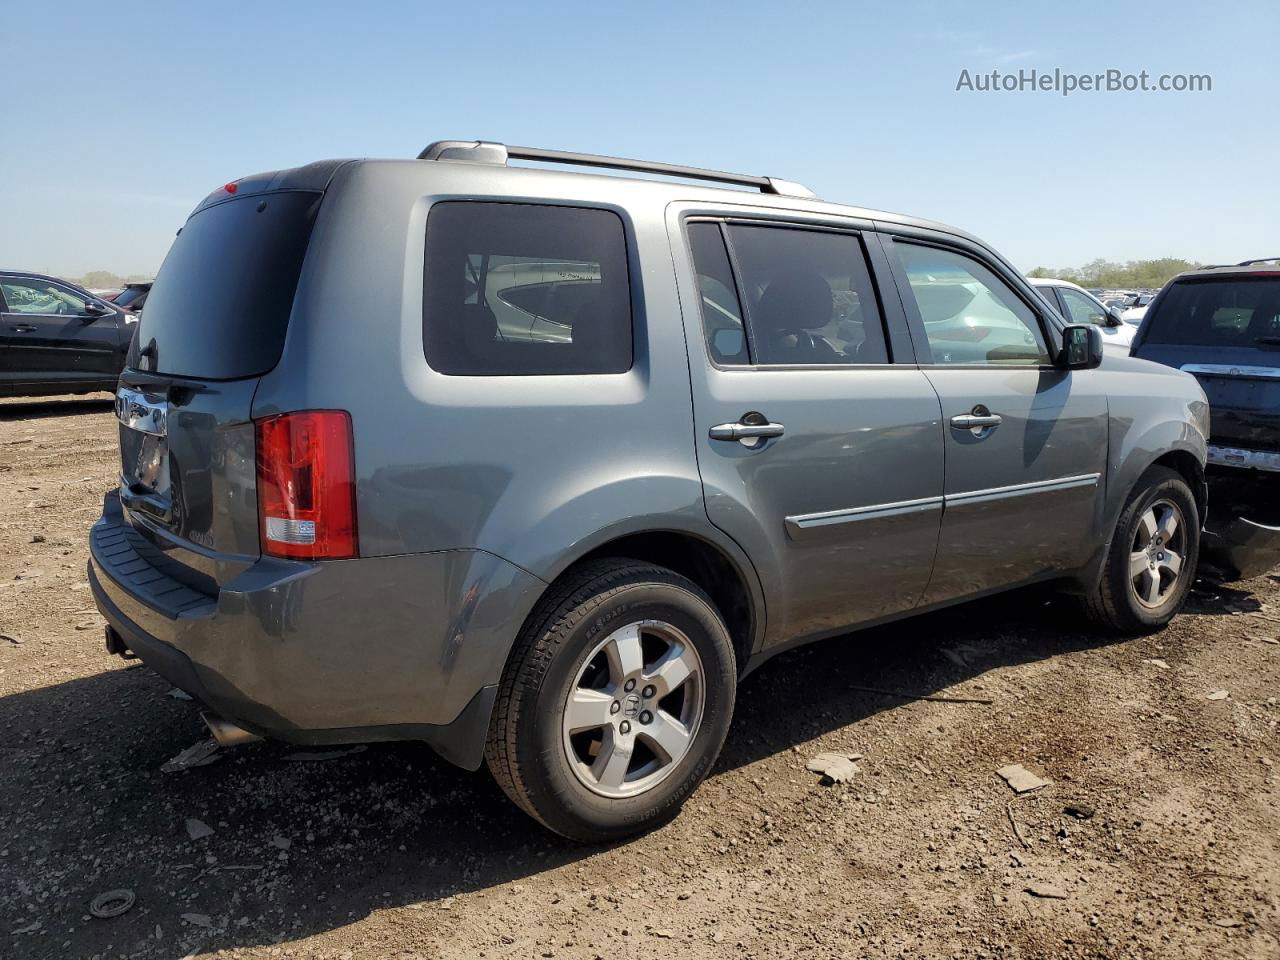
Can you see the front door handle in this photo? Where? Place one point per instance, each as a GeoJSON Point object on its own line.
{"type": "Point", "coordinates": [751, 430]}
{"type": "Point", "coordinates": [23, 328]}
{"type": "Point", "coordinates": [979, 421]}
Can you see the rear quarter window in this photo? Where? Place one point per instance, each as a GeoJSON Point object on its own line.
{"type": "Point", "coordinates": [513, 289]}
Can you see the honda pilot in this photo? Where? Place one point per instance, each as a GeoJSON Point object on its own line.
{"type": "Point", "coordinates": [535, 465]}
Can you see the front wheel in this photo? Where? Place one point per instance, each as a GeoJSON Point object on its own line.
{"type": "Point", "coordinates": [615, 702]}
{"type": "Point", "coordinates": [1152, 556]}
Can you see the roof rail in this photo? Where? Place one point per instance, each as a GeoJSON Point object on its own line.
{"type": "Point", "coordinates": [1249, 263]}
{"type": "Point", "coordinates": [483, 151]}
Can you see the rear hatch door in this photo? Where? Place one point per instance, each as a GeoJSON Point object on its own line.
{"type": "Point", "coordinates": [215, 322]}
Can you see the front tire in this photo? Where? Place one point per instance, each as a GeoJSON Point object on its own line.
{"type": "Point", "coordinates": [615, 702]}
{"type": "Point", "coordinates": [1152, 556]}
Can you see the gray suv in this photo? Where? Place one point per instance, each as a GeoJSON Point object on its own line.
{"type": "Point", "coordinates": [535, 465]}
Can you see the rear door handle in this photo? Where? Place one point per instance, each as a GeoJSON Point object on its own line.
{"type": "Point", "coordinates": [971, 421]}
{"type": "Point", "coordinates": [23, 328]}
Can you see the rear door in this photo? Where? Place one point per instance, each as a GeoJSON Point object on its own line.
{"type": "Point", "coordinates": [1025, 442]}
{"type": "Point", "coordinates": [818, 455]}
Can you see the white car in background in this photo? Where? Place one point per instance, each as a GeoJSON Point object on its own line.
{"type": "Point", "coordinates": [1078, 305]}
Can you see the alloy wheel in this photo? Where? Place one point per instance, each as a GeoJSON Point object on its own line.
{"type": "Point", "coordinates": [1157, 552]}
{"type": "Point", "coordinates": [634, 709]}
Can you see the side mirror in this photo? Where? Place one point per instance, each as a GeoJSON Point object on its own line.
{"type": "Point", "coordinates": [1081, 347]}
{"type": "Point", "coordinates": [1115, 316]}
{"type": "Point", "coordinates": [92, 311]}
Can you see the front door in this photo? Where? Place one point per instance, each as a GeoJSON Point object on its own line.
{"type": "Point", "coordinates": [818, 455]}
{"type": "Point", "coordinates": [1025, 441]}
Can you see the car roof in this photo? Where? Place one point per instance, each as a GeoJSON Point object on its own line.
{"type": "Point", "coordinates": [319, 174]}
{"type": "Point", "coordinates": [1246, 269]}
{"type": "Point", "coordinates": [33, 275]}
{"type": "Point", "coordinates": [1054, 282]}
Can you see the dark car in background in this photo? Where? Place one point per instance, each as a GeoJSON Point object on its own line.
{"type": "Point", "coordinates": [134, 296]}
{"type": "Point", "coordinates": [56, 337]}
{"type": "Point", "coordinates": [1222, 324]}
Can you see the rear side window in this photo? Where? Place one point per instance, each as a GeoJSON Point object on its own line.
{"type": "Point", "coordinates": [220, 305]}
{"type": "Point", "coordinates": [808, 294]}
{"type": "Point", "coordinates": [524, 290]}
{"type": "Point", "coordinates": [1239, 312]}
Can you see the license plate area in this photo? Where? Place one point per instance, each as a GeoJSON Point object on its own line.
{"type": "Point", "coordinates": [144, 451]}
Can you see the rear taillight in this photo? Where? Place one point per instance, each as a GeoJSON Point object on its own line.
{"type": "Point", "coordinates": [306, 486]}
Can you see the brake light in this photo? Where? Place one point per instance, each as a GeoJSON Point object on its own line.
{"type": "Point", "coordinates": [229, 187]}
{"type": "Point", "coordinates": [306, 485]}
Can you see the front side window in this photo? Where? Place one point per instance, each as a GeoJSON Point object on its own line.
{"type": "Point", "coordinates": [516, 289]}
{"type": "Point", "coordinates": [970, 315]}
{"type": "Point", "coordinates": [40, 296]}
{"type": "Point", "coordinates": [1082, 308]}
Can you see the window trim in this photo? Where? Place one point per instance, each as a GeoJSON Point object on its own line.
{"type": "Point", "coordinates": [726, 220]}
{"type": "Point", "coordinates": [631, 262]}
{"type": "Point", "coordinates": [916, 321]}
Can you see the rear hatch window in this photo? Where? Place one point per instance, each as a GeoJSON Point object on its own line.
{"type": "Point", "coordinates": [1230, 312]}
{"type": "Point", "coordinates": [219, 309]}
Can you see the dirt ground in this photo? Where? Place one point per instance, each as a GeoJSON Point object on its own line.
{"type": "Point", "coordinates": [390, 852]}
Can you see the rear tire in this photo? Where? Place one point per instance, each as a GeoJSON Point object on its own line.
{"type": "Point", "coordinates": [1151, 559]}
{"type": "Point", "coordinates": [615, 702]}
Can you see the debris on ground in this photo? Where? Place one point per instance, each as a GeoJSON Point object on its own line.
{"type": "Point", "coordinates": [198, 829]}
{"type": "Point", "coordinates": [281, 843]}
{"type": "Point", "coordinates": [112, 903]}
{"type": "Point", "coordinates": [835, 767]}
{"type": "Point", "coordinates": [1021, 779]}
{"type": "Point", "coordinates": [198, 919]}
{"type": "Point", "coordinates": [31, 927]}
{"type": "Point", "coordinates": [1157, 663]}
{"type": "Point", "coordinates": [304, 755]}
{"type": "Point", "coordinates": [16, 641]}
{"type": "Point", "coordinates": [197, 755]}
{"type": "Point", "coordinates": [1081, 811]}
{"type": "Point", "coordinates": [1046, 891]}
{"type": "Point", "coordinates": [1217, 695]}
{"type": "Point", "coordinates": [178, 694]}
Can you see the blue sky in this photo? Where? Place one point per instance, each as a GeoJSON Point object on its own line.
{"type": "Point", "coordinates": [121, 116]}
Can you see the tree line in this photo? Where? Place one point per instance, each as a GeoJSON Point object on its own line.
{"type": "Point", "coordinates": [1133, 274]}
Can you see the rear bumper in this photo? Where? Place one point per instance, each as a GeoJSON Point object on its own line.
{"type": "Point", "coordinates": [1242, 533]}
{"type": "Point", "coordinates": [1224, 456]}
{"type": "Point", "coordinates": [386, 648]}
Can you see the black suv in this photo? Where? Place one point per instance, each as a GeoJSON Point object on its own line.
{"type": "Point", "coordinates": [56, 337]}
{"type": "Point", "coordinates": [1222, 324]}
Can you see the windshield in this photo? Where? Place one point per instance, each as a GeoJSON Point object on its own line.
{"type": "Point", "coordinates": [1231, 312]}
{"type": "Point", "coordinates": [220, 305]}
